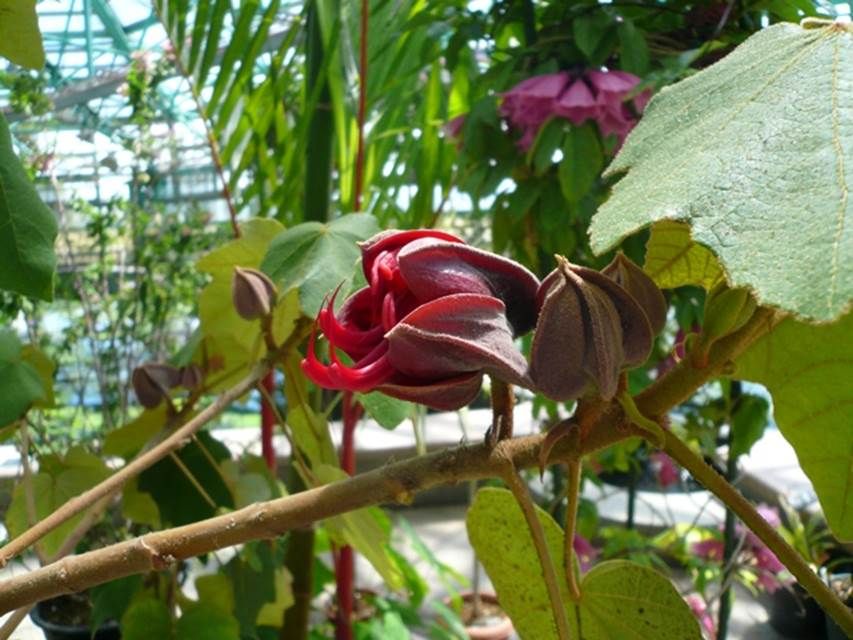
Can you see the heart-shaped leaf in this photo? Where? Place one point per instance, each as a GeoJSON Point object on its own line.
{"type": "Point", "coordinates": [807, 369]}
{"type": "Point", "coordinates": [753, 153]}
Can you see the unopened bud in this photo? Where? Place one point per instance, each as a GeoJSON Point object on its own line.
{"type": "Point", "coordinates": [726, 311]}
{"type": "Point", "coordinates": [152, 381]}
{"type": "Point", "coordinates": [253, 293]}
{"type": "Point", "coordinates": [643, 289]}
{"type": "Point", "coordinates": [191, 377]}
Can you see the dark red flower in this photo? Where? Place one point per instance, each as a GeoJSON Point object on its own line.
{"type": "Point", "coordinates": [435, 316]}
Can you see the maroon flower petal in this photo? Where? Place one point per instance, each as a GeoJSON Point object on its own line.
{"type": "Point", "coordinates": [454, 335]}
{"type": "Point", "coordinates": [433, 269]}
{"type": "Point", "coordinates": [393, 240]}
{"type": "Point", "coordinates": [577, 103]}
{"type": "Point", "coordinates": [445, 395]}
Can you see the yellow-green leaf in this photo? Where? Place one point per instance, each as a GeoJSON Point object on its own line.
{"type": "Point", "coordinates": [808, 370]}
{"type": "Point", "coordinates": [674, 260]}
{"type": "Point", "coordinates": [20, 38]}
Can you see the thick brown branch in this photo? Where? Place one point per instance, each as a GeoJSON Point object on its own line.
{"type": "Point", "coordinates": [391, 483]}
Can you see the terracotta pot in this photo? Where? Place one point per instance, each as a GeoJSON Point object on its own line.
{"type": "Point", "coordinates": [496, 627]}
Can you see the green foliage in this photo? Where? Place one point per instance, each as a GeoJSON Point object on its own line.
{"type": "Point", "coordinates": [111, 599]}
{"type": "Point", "coordinates": [715, 151]}
{"type": "Point", "coordinates": [21, 384]}
{"type": "Point", "coordinates": [145, 618]}
{"type": "Point", "coordinates": [748, 420]}
{"type": "Point", "coordinates": [58, 480]}
{"type": "Point", "coordinates": [20, 38]}
{"type": "Point", "coordinates": [808, 369]}
{"type": "Point", "coordinates": [620, 599]}
{"type": "Point", "coordinates": [387, 411]}
{"type": "Point", "coordinates": [27, 261]}
{"type": "Point", "coordinates": [674, 260]}
{"type": "Point", "coordinates": [315, 258]}
{"type": "Point", "coordinates": [625, 601]}
{"type": "Point", "coordinates": [189, 485]}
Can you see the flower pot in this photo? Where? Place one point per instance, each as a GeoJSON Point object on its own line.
{"type": "Point", "coordinates": [67, 618]}
{"type": "Point", "coordinates": [491, 623]}
{"type": "Point", "coordinates": [842, 585]}
{"type": "Point", "coordinates": [795, 614]}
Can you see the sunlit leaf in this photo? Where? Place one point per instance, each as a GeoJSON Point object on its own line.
{"type": "Point", "coordinates": [20, 383]}
{"type": "Point", "coordinates": [674, 260]}
{"type": "Point", "coordinates": [808, 369]}
{"type": "Point", "coordinates": [20, 38]}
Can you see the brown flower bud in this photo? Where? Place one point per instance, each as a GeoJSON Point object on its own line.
{"type": "Point", "coordinates": [253, 293]}
{"type": "Point", "coordinates": [635, 281]}
{"type": "Point", "coordinates": [191, 377]}
{"type": "Point", "coordinates": [152, 381]}
{"type": "Point", "coordinates": [589, 330]}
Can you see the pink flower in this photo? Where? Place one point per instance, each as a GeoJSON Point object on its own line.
{"type": "Point", "coordinates": [436, 314]}
{"type": "Point", "coordinates": [453, 128]}
{"type": "Point", "coordinates": [710, 549]}
{"type": "Point", "coordinates": [665, 468]}
{"type": "Point", "coordinates": [593, 95]}
{"type": "Point", "coordinates": [586, 553]}
{"type": "Point", "coordinates": [703, 615]}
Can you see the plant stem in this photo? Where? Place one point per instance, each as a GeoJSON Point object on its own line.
{"type": "Point", "coordinates": [522, 495]}
{"type": "Point", "coordinates": [345, 564]}
{"type": "Point", "coordinates": [362, 103]}
{"type": "Point", "coordinates": [268, 421]}
{"type": "Point", "coordinates": [573, 476]}
{"type": "Point", "coordinates": [792, 560]}
{"type": "Point", "coordinates": [299, 561]}
{"type": "Point", "coordinates": [729, 536]}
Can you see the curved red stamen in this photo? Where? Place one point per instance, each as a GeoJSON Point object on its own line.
{"type": "Point", "coordinates": [389, 312]}
{"type": "Point", "coordinates": [316, 371]}
{"type": "Point", "coordinates": [364, 378]}
{"type": "Point", "coordinates": [354, 341]}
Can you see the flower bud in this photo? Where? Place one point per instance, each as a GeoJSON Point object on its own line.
{"type": "Point", "coordinates": [643, 289]}
{"type": "Point", "coordinates": [589, 330]}
{"type": "Point", "coordinates": [152, 381]}
{"type": "Point", "coordinates": [726, 311]}
{"type": "Point", "coordinates": [191, 377]}
{"type": "Point", "coordinates": [253, 293]}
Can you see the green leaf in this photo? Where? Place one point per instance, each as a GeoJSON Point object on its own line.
{"type": "Point", "coordinates": [499, 534]}
{"type": "Point", "coordinates": [581, 163]}
{"type": "Point", "coordinates": [589, 31]}
{"type": "Point", "coordinates": [272, 613]}
{"type": "Point", "coordinates": [45, 367]}
{"type": "Point", "coordinates": [387, 411]}
{"type": "Point", "coordinates": [174, 487]}
{"type": "Point", "coordinates": [59, 479]}
{"type": "Point", "coordinates": [255, 575]}
{"type": "Point", "coordinates": [751, 153]}
{"type": "Point", "coordinates": [138, 506]}
{"type": "Point", "coordinates": [146, 618]}
{"type": "Point", "coordinates": [217, 590]}
{"type": "Point", "coordinates": [674, 260]}
{"type": "Point", "coordinates": [111, 600]}
{"type": "Point", "coordinates": [27, 226]}
{"type": "Point", "coordinates": [648, 605]}
{"type": "Point", "coordinates": [126, 441]}
{"type": "Point", "coordinates": [316, 257]}
{"type": "Point", "coordinates": [20, 38]}
{"type": "Point", "coordinates": [749, 418]}
{"type": "Point", "coordinates": [635, 51]}
{"type": "Point", "coordinates": [366, 530]}
{"type": "Point", "coordinates": [808, 369]}
{"type": "Point", "coordinates": [622, 600]}
{"type": "Point", "coordinates": [206, 622]}
{"type": "Point", "coordinates": [20, 383]}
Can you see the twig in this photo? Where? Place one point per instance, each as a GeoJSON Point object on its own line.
{"type": "Point", "coordinates": [574, 484]}
{"type": "Point", "coordinates": [549, 573]}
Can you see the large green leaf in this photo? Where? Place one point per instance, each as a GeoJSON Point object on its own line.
{"type": "Point", "coordinates": [623, 600]}
{"type": "Point", "coordinates": [27, 226]}
{"type": "Point", "coordinates": [808, 370]}
{"type": "Point", "coordinates": [20, 38]}
{"type": "Point", "coordinates": [499, 534]}
{"type": "Point", "coordinates": [316, 257]}
{"type": "Point", "coordinates": [21, 385]}
{"type": "Point", "coordinates": [754, 154]}
{"type": "Point", "coordinates": [619, 599]}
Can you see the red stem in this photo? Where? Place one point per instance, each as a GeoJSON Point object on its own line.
{"type": "Point", "coordinates": [268, 422]}
{"type": "Point", "coordinates": [345, 561]}
{"type": "Point", "coordinates": [362, 104]}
